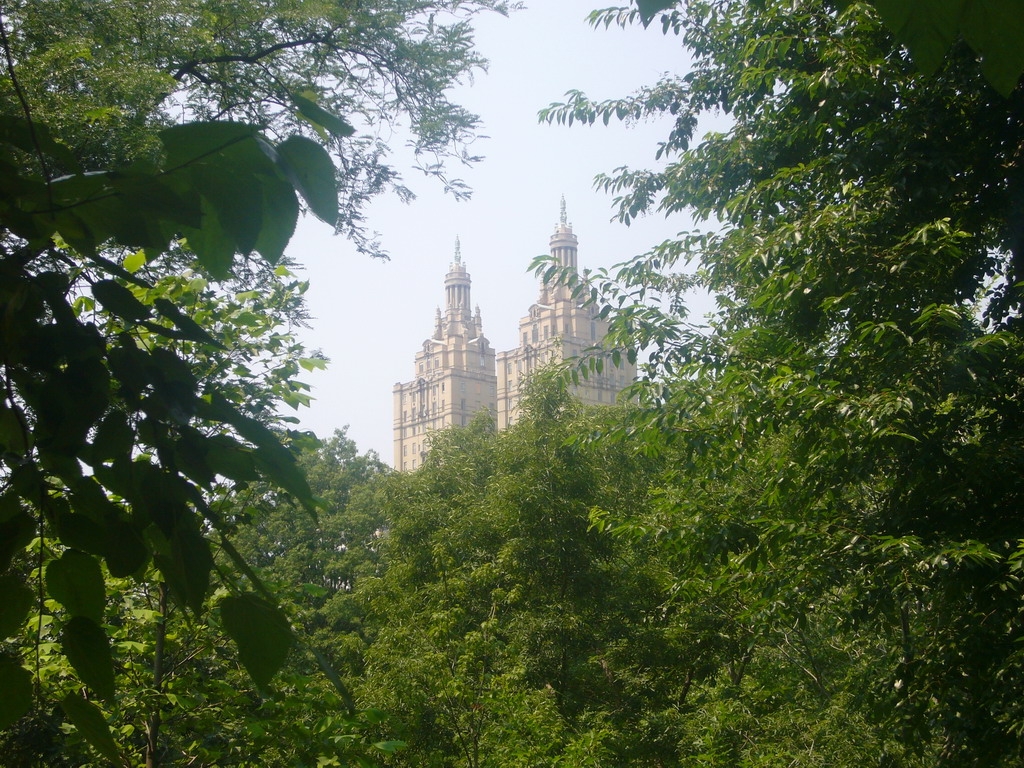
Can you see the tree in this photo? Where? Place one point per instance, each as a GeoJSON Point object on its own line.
{"type": "Point", "coordinates": [504, 630]}
{"type": "Point", "coordinates": [128, 408]}
{"type": "Point", "coordinates": [867, 269]}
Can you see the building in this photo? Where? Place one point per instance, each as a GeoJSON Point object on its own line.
{"type": "Point", "coordinates": [458, 374]}
{"type": "Point", "coordinates": [454, 373]}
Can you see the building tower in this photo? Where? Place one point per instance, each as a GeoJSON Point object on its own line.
{"type": "Point", "coordinates": [454, 373]}
{"type": "Point", "coordinates": [556, 328]}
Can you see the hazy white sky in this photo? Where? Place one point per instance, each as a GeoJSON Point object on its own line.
{"type": "Point", "coordinates": [370, 317]}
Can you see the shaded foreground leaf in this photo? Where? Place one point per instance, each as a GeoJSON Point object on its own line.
{"type": "Point", "coordinates": [88, 649]}
{"type": "Point", "coordinates": [15, 603]}
{"type": "Point", "coordinates": [16, 684]}
{"type": "Point", "coordinates": [76, 582]}
{"type": "Point", "coordinates": [89, 721]}
{"type": "Point", "coordinates": [261, 633]}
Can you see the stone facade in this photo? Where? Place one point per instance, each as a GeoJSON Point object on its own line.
{"type": "Point", "coordinates": [458, 373]}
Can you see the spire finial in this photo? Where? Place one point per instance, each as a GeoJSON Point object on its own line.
{"type": "Point", "coordinates": [561, 217]}
{"type": "Point", "coordinates": [458, 250]}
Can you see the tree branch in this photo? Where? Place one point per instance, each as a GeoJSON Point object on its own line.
{"type": "Point", "coordinates": [189, 67]}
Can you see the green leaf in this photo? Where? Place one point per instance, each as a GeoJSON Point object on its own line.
{"type": "Point", "coordinates": [126, 552]}
{"type": "Point", "coordinates": [118, 300]}
{"type": "Point", "coordinates": [16, 684]}
{"type": "Point", "coordinates": [15, 533]}
{"type": "Point", "coordinates": [226, 456]}
{"type": "Point", "coordinates": [133, 262]}
{"type": "Point", "coordinates": [189, 328]}
{"type": "Point", "coordinates": [91, 723]}
{"type": "Point", "coordinates": [319, 116]}
{"type": "Point", "coordinates": [76, 582]}
{"type": "Point", "coordinates": [280, 215]}
{"type": "Point", "coordinates": [235, 192]}
{"type": "Point", "coordinates": [332, 675]}
{"type": "Point", "coordinates": [390, 746]}
{"type": "Point", "coordinates": [24, 135]}
{"type": "Point", "coordinates": [12, 431]}
{"type": "Point", "coordinates": [189, 143]}
{"type": "Point", "coordinates": [651, 8]}
{"type": "Point", "coordinates": [15, 602]}
{"type": "Point", "coordinates": [187, 565]}
{"type": "Point", "coordinates": [995, 29]}
{"type": "Point", "coordinates": [261, 633]}
{"type": "Point", "coordinates": [309, 168]}
{"type": "Point", "coordinates": [88, 649]}
{"type": "Point", "coordinates": [212, 245]}
{"type": "Point", "coordinates": [114, 438]}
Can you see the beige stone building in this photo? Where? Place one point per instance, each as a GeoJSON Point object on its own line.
{"type": "Point", "coordinates": [454, 373]}
{"type": "Point", "coordinates": [557, 327]}
{"type": "Point", "coordinates": [455, 370]}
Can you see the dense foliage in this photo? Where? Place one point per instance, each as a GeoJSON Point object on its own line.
{"type": "Point", "coordinates": [864, 362]}
{"type": "Point", "coordinates": [505, 625]}
{"type": "Point", "coordinates": [155, 158]}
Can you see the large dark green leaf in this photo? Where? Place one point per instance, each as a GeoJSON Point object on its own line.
{"type": "Point", "coordinates": [126, 551]}
{"type": "Point", "coordinates": [16, 684]}
{"type": "Point", "coordinates": [651, 8]}
{"type": "Point", "coordinates": [76, 582]}
{"type": "Point", "coordinates": [113, 438]}
{"type": "Point", "coordinates": [319, 116]}
{"type": "Point", "coordinates": [926, 28]}
{"type": "Point", "coordinates": [87, 647]}
{"type": "Point", "coordinates": [280, 214]}
{"type": "Point", "coordinates": [89, 721]}
{"type": "Point", "coordinates": [27, 136]}
{"type": "Point", "coordinates": [13, 433]}
{"type": "Point", "coordinates": [309, 168]}
{"type": "Point", "coordinates": [227, 457]}
{"type": "Point", "coordinates": [188, 327]}
{"type": "Point", "coordinates": [993, 29]}
{"type": "Point", "coordinates": [261, 633]}
{"type": "Point", "coordinates": [118, 300]}
{"type": "Point", "coordinates": [15, 533]}
{"type": "Point", "coordinates": [193, 142]}
{"type": "Point", "coordinates": [186, 562]}
{"type": "Point", "coordinates": [272, 458]}
{"type": "Point", "coordinates": [212, 244]}
{"type": "Point", "coordinates": [15, 603]}
{"type": "Point", "coordinates": [235, 192]}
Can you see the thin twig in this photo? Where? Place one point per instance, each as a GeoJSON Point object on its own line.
{"type": "Point", "coordinates": [25, 108]}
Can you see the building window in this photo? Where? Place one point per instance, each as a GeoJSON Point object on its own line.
{"type": "Point", "coordinates": [524, 339]}
{"type": "Point", "coordinates": [421, 367]}
{"type": "Point", "coordinates": [405, 450]}
{"type": "Point", "coordinates": [593, 331]}
{"type": "Point", "coordinates": [462, 387]}
{"type": "Point", "coordinates": [535, 334]}
{"type": "Point", "coordinates": [463, 407]}
{"type": "Point", "coordinates": [405, 465]}
{"type": "Point", "coordinates": [414, 463]}
{"type": "Point", "coordinates": [546, 329]}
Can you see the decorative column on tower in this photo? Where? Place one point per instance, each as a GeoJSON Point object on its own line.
{"type": "Point", "coordinates": [458, 312]}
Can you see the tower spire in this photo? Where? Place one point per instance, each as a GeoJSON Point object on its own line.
{"type": "Point", "coordinates": [561, 217]}
{"type": "Point", "coordinates": [458, 250]}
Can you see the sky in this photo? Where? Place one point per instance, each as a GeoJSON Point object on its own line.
{"type": "Point", "coordinates": [370, 316]}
